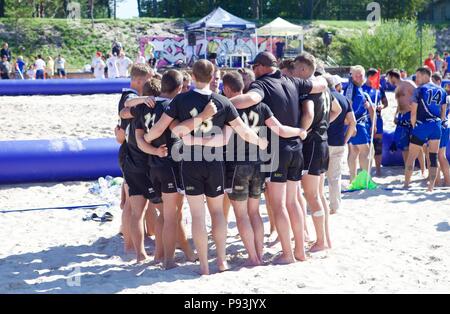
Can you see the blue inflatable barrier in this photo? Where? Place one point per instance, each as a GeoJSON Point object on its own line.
{"type": "Point", "coordinates": [390, 159]}
{"type": "Point", "coordinates": [62, 87]}
{"type": "Point", "coordinates": [76, 160]}
{"type": "Point", "coordinates": [57, 160]}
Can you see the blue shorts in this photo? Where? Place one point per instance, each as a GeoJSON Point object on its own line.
{"type": "Point", "coordinates": [428, 131]}
{"type": "Point", "coordinates": [401, 137]}
{"type": "Point", "coordinates": [362, 135]}
{"type": "Point", "coordinates": [39, 74]}
{"type": "Point", "coordinates": [445, 138]}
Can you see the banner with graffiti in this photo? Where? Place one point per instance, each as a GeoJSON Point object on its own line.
{"type": "Point", "coordinates": [170, 50]}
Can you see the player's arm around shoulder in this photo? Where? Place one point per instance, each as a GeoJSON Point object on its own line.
{"type": "Point", "coordinates": [148, 148]}
{"type": "Point", "coordinates": [283, 130]}
{"type": "Point", "coordinates": [246, 133]}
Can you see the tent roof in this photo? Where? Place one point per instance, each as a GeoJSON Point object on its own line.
{"type": "Point", "coordinates": [220, 19]}
{"type": "Point", "coordinates": [279, 27]}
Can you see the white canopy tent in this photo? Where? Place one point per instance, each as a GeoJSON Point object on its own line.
{"type": "Point", "coordinates": [281, 28]}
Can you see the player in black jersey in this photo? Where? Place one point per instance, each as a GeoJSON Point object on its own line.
{"type": "Point", "coordinates": [245, 180]}
{"type": "Point", "coordinates": [282, 95]}
{"type": "Point", "coordinates": [139, 75]}
{"type": "Point", "coordinates": [164, 172]}
{"type": "Point", "coordinates": [135, 171]}
{"type": "Point", "coordinates": [321, 109]}
{"type": "Point", "coordinates": [202, 168]}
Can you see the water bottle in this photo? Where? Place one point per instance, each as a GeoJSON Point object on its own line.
{"type": "Point", "coordinates": [103, 184]}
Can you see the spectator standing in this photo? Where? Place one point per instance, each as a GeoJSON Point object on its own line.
{"type": "Point", "coordinates": [5, 68]}
{"type": "Point", "coordinates": [61, 67]}
{"type": "Point", "coordinates": [140, 59]}
{"type": "Point", "coordinates": [446, 64]}
{"type": "Point", "coordinates": [124, 64]}
{"type": "Point", "coordinates": [438, 62]}
{"type": "Point", "coordinates": [99, 66]}
{"type": "Point", "coordinates": [50, 67]}
{"type": "Point", "coordinates": [40, 68]}
{"type": "Point", "coordinates": [280, 49]}
{"type": "Point", "coordinates": [429, 62]}
{"type": "Point", "coordinates": [20, 68]}
{"type": "Point", "coordinates": [5, 51]}
{"type": "Point", "coordinates": [31, 72]}
{"type": "Point", "coordinates": [111, 62]}
{"type": "Point", "coordinates": [116, 48]}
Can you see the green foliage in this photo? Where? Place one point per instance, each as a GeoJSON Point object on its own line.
{"type": "Point", "coordinates": [393, 44]}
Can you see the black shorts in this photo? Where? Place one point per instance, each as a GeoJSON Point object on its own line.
{"type": "Point", "coordinates": [166, 179]}
{"type": "Point", "coordinates": [244, 181]}
{"type": "Point", "coordinates": [140, 184]}
{"type": "Point", "coordinates": [122, 156]}
{"type": "Point", "coordinates": [61, 72]}
{"type": "Point", "coordinates": [201, 177]}
{"type": "Point", "coordinates": [316, 156]}
{"type": "Point", "coordinates": [290, 163]}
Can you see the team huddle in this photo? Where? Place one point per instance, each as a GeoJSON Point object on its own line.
{"type": "Point", "coordinates": [265, 132]}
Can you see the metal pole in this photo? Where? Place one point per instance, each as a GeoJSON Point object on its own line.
{"type": "Point", "coordinates": [256, 42]}
{"type": "Point", "coordinates": [206, 45]}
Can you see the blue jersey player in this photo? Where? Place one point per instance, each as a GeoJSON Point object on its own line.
{"type": "Point", "coordinates": [445, 138]}
{"type": "Point", "coordinates": [427, 113]}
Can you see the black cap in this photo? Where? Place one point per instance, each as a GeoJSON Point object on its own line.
{"type": "Point", "coordinates": [265, 59]}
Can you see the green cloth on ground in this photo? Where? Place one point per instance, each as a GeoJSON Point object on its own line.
{"type": "Point", "coordinates": [360, 182]}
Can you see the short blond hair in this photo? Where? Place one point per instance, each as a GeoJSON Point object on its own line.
{"type": "Point", "coordinates": [140, 70]}
{"type": "Point", "coordinates": [203, 71]}
{"type": "Point", "coordinates": [358, 68]}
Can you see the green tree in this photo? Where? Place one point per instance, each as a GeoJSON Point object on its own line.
{"type": "Point", "coordinates": [393, 44]}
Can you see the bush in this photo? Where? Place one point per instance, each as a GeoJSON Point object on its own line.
{"type": "Point", "coordinates": [393, 44]}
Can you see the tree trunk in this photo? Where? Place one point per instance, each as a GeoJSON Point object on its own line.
{"type": "Point", "coordinates": [65, 3]}
{"type": "Point", "coordinates": [255, 9]}
{"type": "Point", "coordinates": [91, 11]}
{"type": "Point", "coordinates": [2, 8]}
{"type": "Point", "coordinates": [139, 8]}
{"type": "Point", "coordinates": [155, 8]}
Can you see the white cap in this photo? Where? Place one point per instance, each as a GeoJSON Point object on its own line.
{"type": "Point", "coordinates": [337, 80]}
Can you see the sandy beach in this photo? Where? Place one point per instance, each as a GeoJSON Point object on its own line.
{"type": "Point", "coordinates": [384, 241]}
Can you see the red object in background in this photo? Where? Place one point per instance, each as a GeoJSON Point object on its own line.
{"type": "Point", "coordinates": [375, 80]}
{"type": "Point", "coordinates": [430, 63]}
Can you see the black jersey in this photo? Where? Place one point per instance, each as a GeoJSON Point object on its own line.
{"type": "Point", "coordinates": [282, 94]}
{"type": "Point", "coordinates": [188, 105]}
{"type": "Point", "coordinates": [145, 118]}
{"type": "Point", "coordinates": [321, 121]}
{"type": "Point", "coordinates": [238, 150]}
{"type": "Point", "coordinates": [126, 95]}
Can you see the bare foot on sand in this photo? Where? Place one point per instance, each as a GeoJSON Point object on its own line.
{"type": "Point", "coordinates": [142, 259]}
{"type": "Point", "coordinates": [249, 263]}
{"type": "Point", "coordinates": [223, 266]}
{"type": "Point", "coordinates": [299, 255]}
{"type": "Point", "coordinates": [170, 264]}
{"type": "Point", "coordinates": [333, 211]}
{"type": "Point", "coordinates": [192, 257]}
{"type": "Point", "coordinates": [283, 260]}
{"type": "Point", "coordinates": [317, 248]}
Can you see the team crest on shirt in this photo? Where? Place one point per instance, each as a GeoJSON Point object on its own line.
{"type": "Point", "coordinates": [151, 190]}
{"type": "Point", "coordinates": [170, 186]}
{"type": "Point", "coordinates": [219, 188]}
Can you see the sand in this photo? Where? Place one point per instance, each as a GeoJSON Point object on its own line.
{"type": "Point", "coordinates": [383, 241]}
